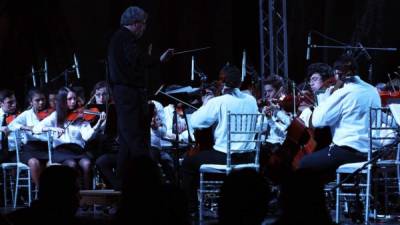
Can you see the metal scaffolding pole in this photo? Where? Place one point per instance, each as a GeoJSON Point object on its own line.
{"type": "Point", "coordinates": [273, 27]}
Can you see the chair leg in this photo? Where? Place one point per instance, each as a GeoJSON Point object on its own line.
{"type": "Point", "coordinates": [337, 214]}
{"type": "Point", "coordinates": [5, 187]}
{"type": "Point", "coordinates": [398, 176]}
{"type": "Point", "coordinates": [201, 197]}
{"type": "Point", "coordinates": [367, 196]}
{"type": "Point", "coordinates": [16, 188]}
{"type": "Point", "coordinates": [29, 188]}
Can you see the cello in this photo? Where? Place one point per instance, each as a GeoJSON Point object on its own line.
{"type": "Point", "coordinates": [300, 140]}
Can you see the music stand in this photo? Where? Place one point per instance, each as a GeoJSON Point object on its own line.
{"type": "Point", "coordinates": [176, 147]}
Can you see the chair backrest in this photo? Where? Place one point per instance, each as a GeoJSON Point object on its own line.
{"type": "Point", "coordinates": [383, 130]}
{"type": "Point", "coordinates": [50, 146]}
{"type": "Point", "coordinates": [18, 136]}
{"type": "Point", "coordinates": [244, 135]}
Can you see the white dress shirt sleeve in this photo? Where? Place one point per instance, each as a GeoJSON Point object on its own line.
{"type": "Point", "coordinates": [49, 121]}
{"type": "Point", "coordinates": [18, 122]}
{"type": "Point", "coordinates": [328, 112]}
{"type": "Point", "coordinates": [206, 115]}
{"type": "Point", "coordinates": [87, 132]}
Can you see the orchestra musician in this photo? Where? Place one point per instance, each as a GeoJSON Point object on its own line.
{"type": "Point", "coordinates": [172, 132]}
{"type": "Point", "coordinates": [72, 132]}
{"type": "Point", "coordinates": [346, 113]}
{"type": "Point", "coordinates": [35, 151]}
{"type": "Point", "coordinates": [107, 162]}
{"type": "Point", "coordinates": [101, 93]}
{"type": "Point", "coordinates": [215, 112]}
{"type": "Point", "coordinates": [52, 94]}
{"type": "Point", "coordinates": [8, 111]}
{"type": "Point", "coordinates": [102, 142]}
{"type": "Point", "coordinates": [158, 130]}
{"type": "Point", "coordinates": [277, 119]}
{"type": "Point", "coordinates": [80, 95]}
{"type": "Point", "coordinates": [104, 146]}
{"type": "Point", "coordinates": [321, 80]}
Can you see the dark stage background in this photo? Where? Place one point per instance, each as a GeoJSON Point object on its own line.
{"type": "Point", "coordinates": [54, 29]}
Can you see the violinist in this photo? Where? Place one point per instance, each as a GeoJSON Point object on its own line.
{"type": "Point", "coordinates": [346, 113]}
{"type": "Point", "coordinates": [321, 80]}
{"type": "Point", "coordinates": [176, 126]}
{"type": "Point", "coordinates": [277, 119]}
{"type": "Point", "coordinates": [52, 99]}
{"type": "Point", "coordinates": [102, 142]}
{"type": "Point", "coordinates": [80, 96]}
{"type": "Point", "coordinates": [101, 93]}
{"type": "Point", "coordinates": [72, 132]}
{"type": "Point", "coordinates": [8, 111]}
{"type": "Point", "coordinates": [214, 112]}
{"type": "Point", "coordinates": [158, 129]}
{"type": "Point", "coordinates": [35, 152]}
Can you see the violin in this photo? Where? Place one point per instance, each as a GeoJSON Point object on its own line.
{"type": "Point", "coordinates": [286, 102]}
{"type": "Point", "coordinates": [386, 96]}
{"type": "Point", "coordinates": [11, 117]}
{"type": "Point", "coordinates": [89, 114]}
{"type": "Point", "coordinates": [44, 113]}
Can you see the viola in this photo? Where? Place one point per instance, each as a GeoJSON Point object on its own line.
{"type": "Point", "coordinates": [89, 114]}
{"type": "Point", "coordinates": [44, 113]}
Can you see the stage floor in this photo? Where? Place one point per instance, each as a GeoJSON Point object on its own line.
{"type": "Point", "coordinates": [103, 215]}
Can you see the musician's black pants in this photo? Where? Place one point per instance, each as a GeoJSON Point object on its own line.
{"type": "Point", "coordinates": [106, 164]}
{"type": "Point", "coordinates": [302, 193]}
{"type": "Point", "coordinates": [133, 124]}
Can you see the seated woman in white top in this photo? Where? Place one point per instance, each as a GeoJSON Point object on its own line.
{"type": "Point", "coordinates": [71, 134]}
{"type": "Point", "coordinates": [34, 151]}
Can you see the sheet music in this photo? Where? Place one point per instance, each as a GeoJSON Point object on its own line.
{"type": "Point", "coordinates": [395, 109]}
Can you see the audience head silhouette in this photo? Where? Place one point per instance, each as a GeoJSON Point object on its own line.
{"type": "Point", "coordinates": [58, 199]}
{"type": "Point", "coordinates": [244, 198]}
{"type": "Point", "coordinates": [146, 198]}
{"type": "Point", "coordinates": [59, 189]}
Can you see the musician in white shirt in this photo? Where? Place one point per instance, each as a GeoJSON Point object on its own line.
{"type": "Point", "coordinates": [214, 112]}
{"type": "Point", "coordinates": [34, 150]}
{"type": "Point", "coordinates": [183, 131]}
{"type": "Point", "coordinates": [71, 134]}
{"type": "Point", "coordinates": [321, 80]}
{"type": "Point", "coordinates": [277, 119]}
{"type": "Point", "coordinates": [8, 110]}
{"type": "Point", "coordinates": [346, 113]}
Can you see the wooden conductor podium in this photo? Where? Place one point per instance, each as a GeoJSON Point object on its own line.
{"type": "Point", "coordinates": [99, 197]}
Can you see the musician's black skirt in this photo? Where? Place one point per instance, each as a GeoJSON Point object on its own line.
{"type": "Point", "coordinates": [34, 149]}
{"type": "Point", "coordinates": [68, 151]}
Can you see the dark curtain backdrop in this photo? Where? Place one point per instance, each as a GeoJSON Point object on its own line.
{"type": "Point", "coordinates": [369, 22]}
{"type": "Point", "coordinates": [55, 29]}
